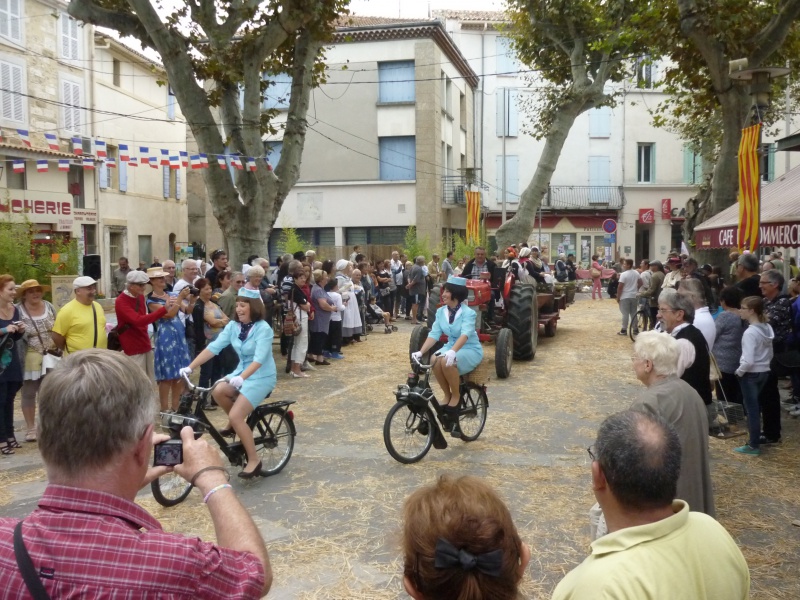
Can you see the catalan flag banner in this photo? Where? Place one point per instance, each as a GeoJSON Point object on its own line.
{"type": "Point", "coordinates": [473, 217]}
{"type": "Point", "coordinates": [749, 188]}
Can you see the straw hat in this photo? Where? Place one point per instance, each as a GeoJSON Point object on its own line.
{"type": "Point", "coordinates": [30, 284]}
{"type": "Point", "coordinates": [154, 272]}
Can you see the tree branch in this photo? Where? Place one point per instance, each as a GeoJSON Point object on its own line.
{"type": "Point", "coordinates": [773, 35]}
{"type": "Point", "coordinates": [126, 23]}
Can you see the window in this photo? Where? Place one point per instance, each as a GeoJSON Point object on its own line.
{"type": "Point", "coordinates": [398, 157]}
{"type": "Point", "coordinates": [462, 110]}
{"type": "Point", "coordinates": [692, 166]}
{"type": "Point", "coordinates": [70, 38]}
{"type": "Point", "coordinates": [507, 109]}
{"type": "Point", "coordinates": [75, 187]}
{"type": "Point", "coordinates": [122, 167]}
{"type": "Point", "coordinates": [13, 102]}
{"type": "Point", "coordinates": [645, 163]}
{"type": "Point", "coordinates": [145, 249]}
{"type": "Point", "coordinates": [10, 19]}
{"type": "Point", "coordinates": [505, 59]}
{"type": "Point", "coordinates": [447, 94]}
{"type": "Point", "coordinates": [165, 182]}
{"type": "Point", "coordinates": [115, 72]}
{"type": "Point", "coordinates": [396, 81]}
{"type": "Point", "coordinates": [279, 93]}
{"type": "Point", "coordinates": [600, 122]}
{"type": "Point", "coordinates": [644, 72]}
{"type": "Point", "coordinates": [599, 179]}
{"type": "Point", "coordinates": [511, 179]}
{"type": "Point", "coordinates": [170, 103]}
{"type": "Point", "coordinates": [767, 165]}
{"type": "Point", "coordinates": [109, 176]}
{"type": "Point", "coordinates": [388, 236]}
{"type": "Point", "coordinates": [15, 181]}
{"type": "Point", "coordinates": [72, 113]}
{"type": "Point", "coordinates": [115, 249]}
{"type": "Point", "coordinates": [90, 239]}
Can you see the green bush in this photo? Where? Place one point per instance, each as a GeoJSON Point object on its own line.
{"type": "Point", "coordinates": [291, 241]}
{"type": "Point", "coordinates": [18, 252]}
{"type": "Point", "coordinates": [414, 246]}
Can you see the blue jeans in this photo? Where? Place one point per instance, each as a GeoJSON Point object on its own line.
{"type": "Point", "coordinates": [752, 384]}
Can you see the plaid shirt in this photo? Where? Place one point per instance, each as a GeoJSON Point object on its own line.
{"type": "Point", "coordinates": [89, 544]}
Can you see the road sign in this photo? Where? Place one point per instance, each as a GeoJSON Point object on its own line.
{"type": "Point", "coordinates": [609, 225]}
{"type": "Point", "coordinates": [610, 238]}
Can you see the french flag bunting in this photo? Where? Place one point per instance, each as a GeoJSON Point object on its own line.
{"type": "Point", "coordinates": [203, 161]}
{"type": "Point", "coordinates": [111, 163]}
{"type": "Point", "coordinates": [19, 165]}
{"type": "Point", "coordinates": [221, 161]}
{"type": "Point", "coordinates": [269, 167]}
{"type": "Point", "coordinates": [236, 162]}
{"type": "Point", "coordinates": [184, 158]}
{"type": "Point", "coordinates": [153, 162]}
{"type": "Point", "coordinates": [164, 158]}
{"type": "Point", "coordinates": [23, 135]}
{"type": "Point", "coordinates": [145, 155]}
{"type": "Point", "coordinates": [63, 165]}
{"type": "Point", "coordinates": [88, 164]}
{"type": "Point", "coordinates": [77, 146]}
{"type": "Point", "coordinates": [52, 140]}
{"type": "Point", "coordinates": [100, 148]}
{"type": "Point", "coordinates": [174, 162]}
{"type": "Point", "coordinates": [124, 154]}
{"type": "Point", "coordinates": [41, 166]}
{"type": "Point", "coordinates": [195, 161]}
{"type": "Point", "coordinates": [133, 162]}
{"type": "Point", "coordinates": [251, 163]}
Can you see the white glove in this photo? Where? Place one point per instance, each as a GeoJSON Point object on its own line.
{"type": "Point", "coordinates": [236, 382]}
{"type": "Point", "coordinates": [185, 372]}
{"type": "Point", "coordinates": [449, 358]}
{"type": "Point", "coordinates": [416, 357]}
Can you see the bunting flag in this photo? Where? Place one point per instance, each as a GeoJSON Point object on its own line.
{"type": "Point", "coordinates": [88, 164]}
{"type": "Point", "coordinates": [41, 166]}
{"type": "Point", "coordinates": [749, 191]}
{"type": "Point", "coordinates": [184, 158]}
{"type": "Point", "coordinates": [174, 162]}
{"type": "Point", "coordinates": [63, 165]}
{"type": "Point", "coordinates": [133, 162]}
{"type": "Point", "coordinates": [100, 149]}
{"type": "Point", "coordinates": [153, 159]}
{"type": "Point", "coordinates": [221, 161]}
{"type": "Point", "coordinates": [77, 146]}
{"type": "Point", "coordinates": [236, 162]}
{"type": "Point", "coordinates": [52, 141]}
{"type": "Point", "coordinates": [251, 163]}
{"type": "Point", "coordinates": [111, 163]}
{"type": "Point", "coordinates": [195, 161]}
{"type": "Point", "coordinates": [203, 161]}
{"type": "Point", "coordinates": [473, 217]}
{"type": "Point", "coordinates": [124, 155]}
{"type": "Point", "coordinates": [19, 165]}
{"type": "Point", "coordinates": [269, 167]}
{"type": "Point", "coordinates": [164, 158]}
{"type": "Point", "coordinates": [23, 135]}
{"type": "Point", "coordinates": [144, 153]}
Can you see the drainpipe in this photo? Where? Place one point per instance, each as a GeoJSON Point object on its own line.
{"type": "Point", "coordinates": [483, 95]}
{"type": "Point", "coordinates": [99, 234]}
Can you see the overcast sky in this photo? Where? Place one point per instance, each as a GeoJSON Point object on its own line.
{"type": "Point", "coordinates": [418, 8]}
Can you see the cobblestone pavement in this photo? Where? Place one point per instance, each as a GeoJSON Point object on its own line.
{"type": "Point", "coordinates": [331, 518]}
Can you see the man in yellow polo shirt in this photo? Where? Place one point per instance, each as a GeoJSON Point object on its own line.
{"type": "Point", "coordinates": [655, 548]}
{"type": "Point", "coordinates": [81, 322]}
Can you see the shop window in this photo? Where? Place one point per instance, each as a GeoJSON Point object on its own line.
{"type": "Point", "coordinates": [90, 239]}
{"type": "Point", "coordinates": [14, 180]}
{"type": "Point", "coordinates": [75, 186]}
{"type": "Point", "coordinates": [115, 249]}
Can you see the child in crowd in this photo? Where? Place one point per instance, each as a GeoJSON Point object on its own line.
{"type": "Point", "coordinates": [334, 344]}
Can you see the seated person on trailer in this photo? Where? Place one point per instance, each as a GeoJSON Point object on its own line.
{"type": "Point", "coordinates": [462, 352]}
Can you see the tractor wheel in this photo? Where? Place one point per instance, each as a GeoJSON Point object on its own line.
{"type": "Point", "coordinates": [433, 303]}
{"type": "Point", "coordinates": [418, 336]}
{"type": "Point", "coordinates": [550, 328]}
{"type": "Point", "coordinates": [503, 353]}
{"type": "Point", "coordinates": [523, 320]}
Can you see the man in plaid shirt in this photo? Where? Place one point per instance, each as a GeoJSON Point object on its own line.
{"type": "Point", "coordinates": [88, 538]}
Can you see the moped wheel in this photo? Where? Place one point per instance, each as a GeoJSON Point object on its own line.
{"type": "Point", "coordinates": [408, 433]}
{"type": "Point", "coordinates": [472, 416]}
{"type": "Point", "coordinates": [170, 489]}
{"type": "Point", "coordinates": [273, 434]}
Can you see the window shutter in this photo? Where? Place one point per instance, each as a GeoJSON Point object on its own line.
{"type": "Point", "coordinates": [123, 176]}
{"type": "Point", "coordinates": [652, 163]}
{"type": "Point", "coordinates": [66, 92]}
{"type": "Point", "coordinates": [170, 103]}
{"type": "Point", "coordinates": [688, 165]}
{"type": "Point", "coordinates": [396, 82]}
{"type": "Point", "coordinates": [17, 100]}
{"type": "Point", "coordinates": [504, 62]}
{"type": "Point", "coordinates": [65, 35]}
{"type": "Point", "coordinates": [178, 184]}
{"type": "Point", "coordinates": [165, 177]}
{"type": "Point", "coordinates": [500, 128]}
{"type": "Point", "coordinates": [5, 18]}
{"type": "Point", "coordinates": [103, 172]}
{"type": "Point", "coordinates": [70, 39]}
{"type": "Point", "coordinates": [398, 156]}
{"type": "Point", "coordinates": [511, 98]}
{"type": "Point", "coordinates": [600, 122]}
{"type": "Point", "coordinates": [10, 19]}
{"type": "Point", "coordinates": [771, 162]}
{"type": "Point", "coordinates": [512, 179]}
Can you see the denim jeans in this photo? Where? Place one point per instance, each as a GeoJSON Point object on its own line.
{"type": "Point", "coordinates": [752, 384]}
{"type": "Point", "coordinates": [627, 307]}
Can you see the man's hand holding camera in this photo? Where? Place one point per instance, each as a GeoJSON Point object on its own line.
{"type": "Point", "coordinates": [198, 455]}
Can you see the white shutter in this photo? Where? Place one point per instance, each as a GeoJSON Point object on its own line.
{"type": "Point", "coordinates": [65, 35]}
{"type": "Point", "coordinates": [13, 103]}
{"type": "Point", "coordinates": [7, 96]}
{"type": "Point", "coordinates": [14, 20]}
{"type": "Point", "coordinates": [5, 24]}
{"type": "Point", "coordinates": [103, 175]}
{"type": "Point", "coordinates": [123, 176]}
{"type": "Point", "coordinates": [165, 174]}
{"type": "Point", "coordinates": [178, 184]}
{"type": "Point", "coordinates": [70, 38]}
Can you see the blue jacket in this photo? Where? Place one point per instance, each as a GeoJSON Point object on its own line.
{"type": "Point", "coordinates": [257, 347]}
{"type": "Point", "coordinates": [463, 324]}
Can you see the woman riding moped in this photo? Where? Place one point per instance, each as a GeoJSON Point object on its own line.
{"type": "Point", "coordinates": [462, 352]}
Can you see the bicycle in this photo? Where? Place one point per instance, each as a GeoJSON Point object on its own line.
{"type": "Point", "coordinates": [640, 322]}
{"type": "Point", "coordinates": [273, 433]}
{"type": "Point", "coordinates": [417, 421]}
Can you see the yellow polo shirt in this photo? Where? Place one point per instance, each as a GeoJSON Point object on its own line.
{"type": "Point", "coordinates": [75, 322]}
{"type": "Point", "coordinates": [688, 556]}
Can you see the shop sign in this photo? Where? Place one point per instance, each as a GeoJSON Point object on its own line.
{"type": "Point", "coordinates": [36, 207]}
{"type": "Point", "coordinates": [84, 215]}
{"type": "Point", "coordinates": [679, 214]}
{"type": "Point", "coordinates": [64, 224]}
{"type": "Point", "coordinates": [647, 215]}
{"type": "Point", "coordinates": [666, 208]}
{"type": "Point", "coordinates": [775, 234]}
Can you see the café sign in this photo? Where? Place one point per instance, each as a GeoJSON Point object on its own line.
{"type": "Point", "coordinates": [785, 235]}
{"type": "Point", "coordinates": [36, 207]}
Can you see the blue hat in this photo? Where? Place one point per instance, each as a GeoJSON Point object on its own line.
{"type": "Point", "coordinates": [246, 293]}
{"type": "Point", "coordinates": [455, 280]}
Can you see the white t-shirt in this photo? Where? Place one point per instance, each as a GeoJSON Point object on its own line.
{"type": "Point", "coordinates": [628, 284]}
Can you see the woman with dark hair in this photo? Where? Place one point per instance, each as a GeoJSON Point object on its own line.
{"type": "Point", "coordinates": [328, 267]}
{"type": "Point", "coordinates": [383, 276]}
{"type": "Point", "coordinates": [299, 304]}
{"type": "Point", "coordinates": [254, 377]}
{"type": "Point", "coordinates": [318, 327]}
{"type": "Point", "coordinates": [460, 543]}
{"type": "Point", "coordinates": [11, 330]}
{"type": "Point", "coordinates": [462, 352]}
{"type": "Point", "coordinates": [208, 320]}
{"type": "Point", "coordinates": [728, 344]}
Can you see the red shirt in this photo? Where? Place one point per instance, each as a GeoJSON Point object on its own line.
{"type": "Point", "coordinates": [134, 338]}
{"type": "Point", "coordinates": [306, 289]}
{"type": "Point", "coordinates": [98, 545]}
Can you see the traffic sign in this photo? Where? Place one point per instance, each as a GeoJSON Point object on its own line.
{"type": "Point", "coordinates": [609, 225]}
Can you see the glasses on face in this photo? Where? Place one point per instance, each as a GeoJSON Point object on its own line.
{"type": "Point", "coordinates": [591, 450]}
{"type": "Point", "coordinates": [765, 282]}
{"type": "Point", "coordinates": [663, 310]}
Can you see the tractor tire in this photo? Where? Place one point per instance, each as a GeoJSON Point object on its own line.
{"type": "Point", "coordinates": [550, 328]}
{"type": "Point", "coordinates": [503, 353]}
{"type": "Point", "coordinates": [523, 320]}
{"type": "Point", "coordinates": [433, 303]}
{"type": "Point", "coordinates": [418, 336]}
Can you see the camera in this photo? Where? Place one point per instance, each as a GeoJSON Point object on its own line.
{"type": "Point", "coordinates": [168, 454]}
{"type": "Point", "coordinates": [193, 291]}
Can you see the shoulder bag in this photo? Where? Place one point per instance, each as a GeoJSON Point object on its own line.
{"type": "Point", "coordinates": [290, 325]}
{"type": "Point", "coordinates": [114, 342]}
{"type": "Point", "coordinates": [26, 567]}
{"type": "Point", "coordinates": [50, 358]}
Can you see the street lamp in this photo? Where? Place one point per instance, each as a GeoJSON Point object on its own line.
{"type": "Point", "coordinates": [760, 79]}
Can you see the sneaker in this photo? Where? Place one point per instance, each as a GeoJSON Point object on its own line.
{"type": "Point", "coordinates": [336, 355]}
{"type": "Point", "coordinates": [326, 354]}
{"type": "Point", "coordinates": [307, 367]}
{"type": "Point", "coordinates": [764, 440]}
{"type": "Point", "coordinates": [795, 412]}
{"type": "Point", "coordinates": [791, 404]}
{"type": "Point", "coordinates": [622, 332]}
{"type": "Point", "coordinates": [747, 449]}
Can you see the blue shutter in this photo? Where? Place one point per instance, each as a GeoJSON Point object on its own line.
{"type": "Point", "coordinates": [178, 184]}
{"type": "Point", "coordinates": [165, 177]}
{"type": "Point", "coordinates": [396, 81]}
{"type": "Point", "coordinates": [512, 178]}
{"type": "Point", "coordinates": [123, 176]}
{"type": "Point", "coordinates": [600, 122]}
{"type": "Point", "coordinates": [499, 127]}
{"type": "Point", "coordinates": [688, 165]}
{"type": "Point", "coordinates": [398, 156]}
{"type": "Point", "coordinates": [511, 113]}
{"type": "Point", "coordinates": [103, 175]}
{"type": "Point", "coordinates": [170, 103]}
{"type": "Point", "coordinates": [505, 60]}
{"type": "Point", "coordinates": [278, 94]}
{"type": "Point", "coordinates": [599, 177]}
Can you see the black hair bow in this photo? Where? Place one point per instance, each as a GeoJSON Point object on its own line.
{"type": "Point", "coordinates": [448, 556]}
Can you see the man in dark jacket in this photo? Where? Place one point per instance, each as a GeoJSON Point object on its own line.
{"type": "Point", "coordinates": [747, 275]}
{"type": "Point", "coordinates": [475, 268]}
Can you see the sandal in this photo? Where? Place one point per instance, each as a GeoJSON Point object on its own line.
{"type": "Point", "coordinates": [6, 450]}
{"type": "Point", "coordinates": [13, 443]}
{"type": "Point", "coordinates": [30, 436]}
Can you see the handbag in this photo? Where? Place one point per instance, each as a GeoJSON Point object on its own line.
{"type": "Point", "coordinates": [291, 326]}
{"type": "Point", "coordinates": [595, 273]}
{"type": "Point", "coordinates": [50, 358]}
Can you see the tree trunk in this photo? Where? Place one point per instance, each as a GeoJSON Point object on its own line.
{"type": "Point", "coordinates": [519, 227]}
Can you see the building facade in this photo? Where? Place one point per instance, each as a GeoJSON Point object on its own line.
{"type": "Point", "coordinates": [71, 98]}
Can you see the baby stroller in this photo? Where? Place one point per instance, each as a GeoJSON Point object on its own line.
{"type": "Point", "coordinates": [373, 315]}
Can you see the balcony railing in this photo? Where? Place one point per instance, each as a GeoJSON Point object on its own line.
{"type": "Point", "coordinates": [454, 186]}
{"type": "Point", "coordinates": [584, 196]}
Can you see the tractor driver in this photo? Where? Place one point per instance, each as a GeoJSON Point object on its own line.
{"type": "Point", "coordinates": [481, 267]}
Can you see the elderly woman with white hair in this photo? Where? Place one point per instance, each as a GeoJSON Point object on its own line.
{"type": "Point", "coordinates": [655, 362]}
{"type": "Point", "coordinates": [351, 317]}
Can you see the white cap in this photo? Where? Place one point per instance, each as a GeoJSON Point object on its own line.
{"type": "Point", "coordinates": [83, 281]}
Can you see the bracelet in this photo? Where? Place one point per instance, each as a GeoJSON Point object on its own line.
{"type": "Point", "coordinates": [213, 491]}
{"type": "Point", "coordinates": [212, 468]}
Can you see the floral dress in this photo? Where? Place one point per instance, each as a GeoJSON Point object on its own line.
{"type": "Point", "coordinates": [171, 351]}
